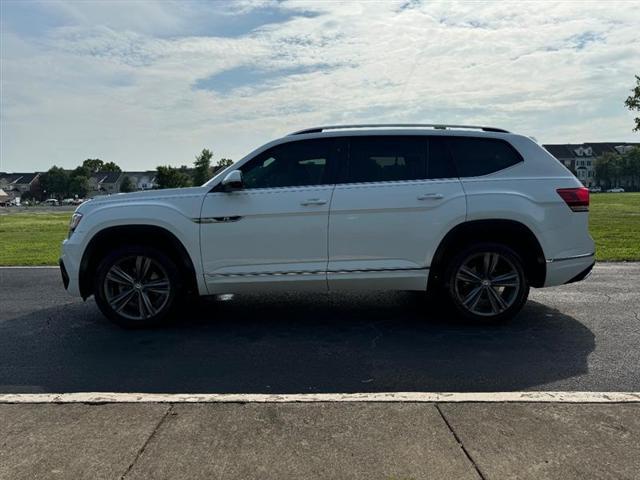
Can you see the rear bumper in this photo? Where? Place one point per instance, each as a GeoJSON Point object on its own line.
{"type": "Point", "coordinates": [569, 270]}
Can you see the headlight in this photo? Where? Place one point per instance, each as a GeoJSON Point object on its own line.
{"type": "Point", "coordinates": [73, 223]}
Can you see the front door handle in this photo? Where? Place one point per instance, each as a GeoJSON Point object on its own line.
{"type": "Point", "coordinates": [431, 196]}
{"type": "Point", "coordinates": [313, 201]}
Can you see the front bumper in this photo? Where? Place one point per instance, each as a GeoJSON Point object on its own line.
{"type": "Point", "coordinates": [70, 267]}
{"type": "Point", "coordinates": [65, 275]}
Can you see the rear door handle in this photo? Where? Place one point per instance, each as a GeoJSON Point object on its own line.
{"type": "Point", "coordinates": [313, 201]}
{"type": "Point", "coordinates": [431, 196]}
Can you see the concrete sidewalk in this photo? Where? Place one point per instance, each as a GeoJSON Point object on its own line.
{"type": "Point", "coordinates": [320, 440]}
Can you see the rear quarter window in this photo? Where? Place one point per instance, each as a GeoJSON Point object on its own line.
{"type": "Point", "coordinates": [474, 156]}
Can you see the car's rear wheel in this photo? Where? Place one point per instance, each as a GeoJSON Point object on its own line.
{"type": "Point", "coordinates": [487, 283]}
{"type": "Point", "coordinates": [137, 286]}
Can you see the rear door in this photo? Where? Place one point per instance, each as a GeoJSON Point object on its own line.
{"type": "Point", "coordinates": [396, 200]}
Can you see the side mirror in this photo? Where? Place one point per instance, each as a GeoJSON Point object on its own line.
{"type": "Point", "coordinates": [232, 181]}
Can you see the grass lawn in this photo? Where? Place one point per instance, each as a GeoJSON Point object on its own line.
{"type": "Point", "coordinates": [34, 238]}
{"type": "Point", "coordinates": [614, 221]}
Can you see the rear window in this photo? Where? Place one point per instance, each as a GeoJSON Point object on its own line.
{"type": "Point", "coordinates": [480, 156]}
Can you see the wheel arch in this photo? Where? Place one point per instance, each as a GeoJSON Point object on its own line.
{"type": "Point", "coordinates": [113, 237]}
{"type": "Point", "coordinates": [511, 233]}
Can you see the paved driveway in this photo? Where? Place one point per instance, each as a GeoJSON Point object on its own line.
{"type": "Point", "coordinates": [581, 337]}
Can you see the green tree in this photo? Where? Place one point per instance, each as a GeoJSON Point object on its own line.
{"type": "Point", "coordinates": [110, 167]}
{"type": "Point", "coordinates": [127, 185]}
{"type": "Point", "coordinates": [631, 167]}
{"type": "Point", "coordinates": [94, 165]}
{"type": "Point", "coordinates": [633, 103]}
{"type": "Point", "coordinates": [54, 183]}
{"type": "Point", "coordinates": [171, 177]}
{"type": "Point", "coordinates": [202, 171]}
{"type": "Point", "coordinates": [79, 185]}
{"type": "Point", "coordinates": [222, 163]}
{"type": "Point", "coordinates": [608, 169]}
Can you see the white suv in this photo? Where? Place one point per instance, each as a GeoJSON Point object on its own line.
{"type": "Point", "coordinates": [477, 214]}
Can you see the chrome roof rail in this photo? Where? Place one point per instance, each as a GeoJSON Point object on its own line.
{"type": "Point", "coordinates": [436, 126]}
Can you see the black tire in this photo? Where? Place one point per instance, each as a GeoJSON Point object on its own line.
{"type": "Point", "coordinates": [498, 294]}
{"type": "Point", "coordinates": [153, 301]}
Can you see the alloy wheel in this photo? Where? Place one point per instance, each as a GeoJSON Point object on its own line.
{"type": "Point", "coordinates": [487, 283]}
{"type": "Point", "coordinates": [137, 287]}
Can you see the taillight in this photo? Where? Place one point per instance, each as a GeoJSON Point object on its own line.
{"type": "Point", "coordinates": [576, 198]}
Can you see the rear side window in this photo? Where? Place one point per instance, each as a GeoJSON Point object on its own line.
{"type": "Point", "coordinates": [440, 164]}
{"type": "Point", "coordinates": [480, 156]}
{"type": "Point", "coordinates": [387, 159]}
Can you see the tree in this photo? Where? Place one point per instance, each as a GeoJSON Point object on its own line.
{"type": "Point", "coordinates": [223, 163]}
{"type": "Point", "coordinates": [94, 165]}
{"type": "Point", "coordinates": [127, 185]}
{"type": "Point", "coordinates": [631, 167]}
{"type": "Point", "coordinates": [171, 177]}
{"type": "Point", "coordinates": [202, 165]}
{"type": "Point", "coordinates": [79, 185]}
{"type": "Point", "coordinates": [633, 103]}
{"type": "Point", "coordinates": [54, 183]}
{"type": "Point", "coordinates": [110, 167]}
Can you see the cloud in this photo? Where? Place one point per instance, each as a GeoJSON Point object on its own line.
{"type": "Point", "coordinates": [155, 82]}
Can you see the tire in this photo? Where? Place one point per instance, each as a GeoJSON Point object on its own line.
{"type": "Point", "coordinates": [137, 287]}
{"type": "Point", "coordinates": [486, 283]}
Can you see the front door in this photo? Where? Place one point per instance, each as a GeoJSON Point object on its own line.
{"type": "Point", "coordinates": [274, 230]}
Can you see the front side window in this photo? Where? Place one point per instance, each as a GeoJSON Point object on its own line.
{"type": "Point", "coordinates": [299, 163]}
{"type": "Point", "coordinates": [475, 156]}
{"type": "Point", "coordinates": [386, 158]}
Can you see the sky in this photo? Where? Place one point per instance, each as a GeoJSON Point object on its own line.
{"type": "Point", "coordinates": [150, 83]}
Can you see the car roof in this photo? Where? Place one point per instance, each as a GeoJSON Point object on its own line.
{"type": "Point", "coordinates": [376, 126]}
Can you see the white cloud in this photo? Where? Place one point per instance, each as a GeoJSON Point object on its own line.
{"type": "Point", "coordinates": [106, 84]}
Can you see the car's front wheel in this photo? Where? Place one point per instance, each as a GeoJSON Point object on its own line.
{"type": "Point", "coordinates": [137, 286]}
{"type": "Point", "coordinates": [487, 283]}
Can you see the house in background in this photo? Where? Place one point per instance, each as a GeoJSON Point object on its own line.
{"type": "Point", "coordinates": [17, 184]}
{"type": "Point", "coordinates": [581, 158]}
{"type": "Point", "coordinates": [142, 180]}
{"type": "Point", "coordinates": [105, 183]}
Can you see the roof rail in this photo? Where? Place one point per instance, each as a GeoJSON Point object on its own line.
{"type": "Point", "coordinates": [436, 126]}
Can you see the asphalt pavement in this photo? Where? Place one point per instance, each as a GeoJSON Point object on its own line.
{"type": "Point", "coordinates": [579, 337]}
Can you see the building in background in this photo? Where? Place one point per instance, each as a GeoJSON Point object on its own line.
{"type": "Point", "coordinates": [104, 183]}
{"type": "Point", "coordinates": [142, 180]}
{"type": "Point", "coordinates": [15, 185]}
{"type": "Point", "coordinates": [581, 158]}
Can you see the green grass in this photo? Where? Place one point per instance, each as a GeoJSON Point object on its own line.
{"type": "Point", "coordinates": [34, 238]}
{"type": "Point", "coordinates": [614, 222]}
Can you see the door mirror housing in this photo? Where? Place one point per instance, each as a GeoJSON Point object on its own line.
{"type": "Point", "coordinates": [232, 181]}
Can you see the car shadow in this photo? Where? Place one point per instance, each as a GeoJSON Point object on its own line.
{"type": "Point", "coordinates": [282, 343]}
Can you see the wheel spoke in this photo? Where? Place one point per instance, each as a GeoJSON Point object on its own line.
{"type": "Point", "coordinates": [471, 300]}
{"type": "Point", "coordinates": [467, 275]}
{"type": "Point", "coordinates": [156, 284]}
{"type": "Point", "coordinates": [142, 267]}
{"type": "Point", "coordinates": [117, 272]}
{"type": "Point", "coordinates": [497, 302]}
{"type": "Point", "coordinates": [490, 262]}
{"type": "Point", "coordinates": [117, 278]}
{"type": "Point", "coordinates": [141, 306]}
{"type": "Point", "coordinates": [506, 280]}
{"type": "Point", "coordinates": [147, 302]}
{"type": "Point", "coordinates": [122, 299]}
